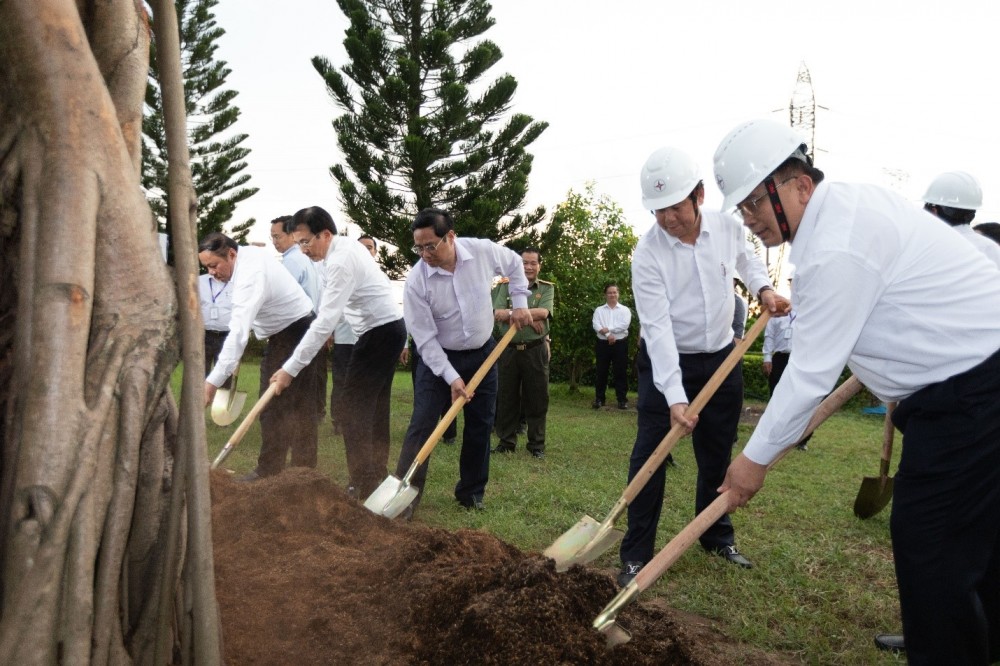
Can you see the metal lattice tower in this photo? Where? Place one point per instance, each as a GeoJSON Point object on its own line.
{"type": "Point", "coordinates": [802, 108]}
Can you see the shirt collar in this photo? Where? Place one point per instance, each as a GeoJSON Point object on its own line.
{"type": "Point", "coordinates": [807, 225]}
{"type": "Point", "coordinates": [461, 255]}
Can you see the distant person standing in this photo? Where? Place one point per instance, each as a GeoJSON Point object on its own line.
{"type": "Point", "coordinates": [611, 322]}
{"type": "Point", "coordinates": [296, 263]}
{"type": "Point", "coordinates": [216, 308]}
{"type": "Point", "coordinates": [954, 197]}
{"type": "Point", "coordinates": [524, 366]}
{"type": "Point", "coordinates": [740, 309]}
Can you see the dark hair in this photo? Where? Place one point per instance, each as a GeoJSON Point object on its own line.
{"type": "Point", "coordinates": [532, 249]}
{"type": "Point", "coordinates": [609, 285]}
{"type": "Point", "coordinates": [364, 236]}
{"type": "Point", "coordinates": [315, 218]}
{"type": "Point", "coordinates": [989, 229]}
{"type": "Point", "coordinates": [217, 243]}
{"type": "Point", "coordinates": [795, 164]}
{"type": "Point", "coordinates": [439, 219]}
{"type": "Point", "coordinates": [284, 221]}
{"type": "Point", "coordinates": [953, 216]}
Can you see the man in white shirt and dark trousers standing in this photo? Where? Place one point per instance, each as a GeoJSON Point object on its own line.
{"type": "Point", "coordinates": [682, 277]}
{"type": "Point", "coordinates": [355, 288]}
{"type": "Point", "coordinates": [449, 313]}
{"type": "Point", "coordinates": [216, 309]}
{"type": "Point", "coordinates": [911, 308]}
{"type": "Point", "coordinates": [268, 300]}
{"type": "Point", "coordinates": [611, 322]}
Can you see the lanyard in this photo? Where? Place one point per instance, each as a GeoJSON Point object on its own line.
{"type": "Point", "coordinates": [216, 295]}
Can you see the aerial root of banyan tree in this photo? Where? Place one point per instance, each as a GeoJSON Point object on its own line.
{"type": "Point", "coordinates": [99, 563]}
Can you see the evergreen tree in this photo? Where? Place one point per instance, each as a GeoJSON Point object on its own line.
{"type": "Point", "coordinates": [217, 156]}
{"type": "Point", "coordinates": [419, 129]}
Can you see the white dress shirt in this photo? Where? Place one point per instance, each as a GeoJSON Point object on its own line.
{"type": "Point", "coordinates": [886, 289]}
{"type": "Point", "coordinates": [305, 273]}
{"type": "Point", "coordinates": [616, 319]}
{"type": "Point", "coordinates": [216, 302]}
{"type": "Point", "coordinates": [266, 299]}
{"type": "Point", "coordinates": [778, 335]}
{"type": "Point", "coordinates": [985, 245]}
{"type": "Point", "coordinates": [455, 310]}
{"type": "Point", "coordinates": [355, 289]}
{"type": "Point", "coordinates": [684, 293]}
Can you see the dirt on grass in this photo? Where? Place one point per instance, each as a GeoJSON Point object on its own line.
{"type": "Point", "coordinates": [306, 575]}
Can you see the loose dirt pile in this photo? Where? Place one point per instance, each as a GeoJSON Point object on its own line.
{"type": "Point", "coordinates": [305, 575]}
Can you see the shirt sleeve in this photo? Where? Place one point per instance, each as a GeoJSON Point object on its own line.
{"type": "Point", "coordinates": [596, 321]}
{"type": "Point", "coordinates": [420, 323]}
{"type": "Point", "coordinates": [512, 267]}
{"type": "Point", "coordinates": [622, 322]}
{"type": "Point", "coordinates": [770, 337]}
{"type": "Point", "coordinates": [657, 329]}
{"type": "Point", "coordinates": [248, 297]}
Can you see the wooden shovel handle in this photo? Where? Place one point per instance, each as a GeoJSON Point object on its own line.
{"type": "Point", "coordinates": [456, 407]}
{"type": "Point", "coordinates": [252, 416]}
{"type": "Point", "coordinates": [888, 433]}
{"type": "Point", "coordinates": [694, 408]}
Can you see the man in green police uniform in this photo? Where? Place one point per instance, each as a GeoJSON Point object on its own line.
{"type": "Point", "coordinates": [524, 366]}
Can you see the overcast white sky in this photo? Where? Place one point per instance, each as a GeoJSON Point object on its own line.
{"type": "Point", "coordinates": [910, 87]}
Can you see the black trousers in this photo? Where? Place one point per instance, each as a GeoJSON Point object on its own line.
{"type": "Point", "coordinates": [945, 520]}
{"type": "Point", "coordinates": [616, 357]}
{"type": "Point", "coordinates": [713, 446]}
{"type": "Point", "coordinates": [451, 432]}
{"type": "Point", "coordinates": [430, 395]}
{"type": "Point", "coordinates": [213, 346]}
{"type": "Point", "coordinates": [523, 390]}
{"type": "Point", "coordinates": [779, 361]}
{"type": "Point", "coordinates": [340, 358]}
{"type": "Point", "coordinates": [367, 392]}
{"type": "Point", "coordinates": [290, 420]}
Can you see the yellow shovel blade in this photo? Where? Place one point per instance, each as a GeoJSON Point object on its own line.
{"type": "Point", "coordinates": [227, 406]}
{"type": "Point", "coordinates": [582, 543]}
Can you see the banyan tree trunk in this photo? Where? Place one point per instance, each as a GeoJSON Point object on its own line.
{"type": "Point", "coordinates": [105, 553]}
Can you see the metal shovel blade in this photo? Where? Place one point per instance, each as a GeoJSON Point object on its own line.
{"type": "Point", "coordinates": [227, 406]}
{"type": "Point", "coordinates": [391, 497]}
{"type": "Point", "coordinates": [873, 496]}
{"type": "Point", "coordinates": [577, 545]}
{"type": "Point", "coordinates": [615, 634]}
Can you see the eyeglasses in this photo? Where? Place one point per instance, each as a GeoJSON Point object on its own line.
{"type": "Point", "coordinates": [430, 247]}
{"type": "Point", "coordinates": [748, 208]}
{"type": "Point", "coordinates": [306, 242]}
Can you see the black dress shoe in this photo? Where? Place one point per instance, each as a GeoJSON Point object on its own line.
{"type": "Point", "coordinates": [538, 454]}
{"type": "Point", "coordinates": [502, 448]}
{"type": "Point", "coordinates": [473, 503]}
{"type": "Point", "coordinates": [669, 462]}
{"type": "Point", "coordinates": [732, 556]}
{"type": "Point", "coordinates": [597, 404]}
{"type": "Point", "coordinates": [890, 642]}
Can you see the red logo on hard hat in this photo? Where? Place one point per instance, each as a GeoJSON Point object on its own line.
{"type": "Point", "coordinates": [659, 185]}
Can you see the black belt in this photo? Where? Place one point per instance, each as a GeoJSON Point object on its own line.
{"type": "Point", "coordinates": [216, 334]}
{"type": "Point", "coordinates": [780, 353]}
{"type": "Point", "coordinates": [524, 346]}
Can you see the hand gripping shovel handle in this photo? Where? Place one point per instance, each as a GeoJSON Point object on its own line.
{"type": "Point", "coordinates": [694, 408]}
{"type": "Point", "coordinates": [456, 407]}
{"type": "Point", "coordinates": [247, 422]}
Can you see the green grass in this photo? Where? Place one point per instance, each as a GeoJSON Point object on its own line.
{"type": "Point", "coordinates": [823, 581]}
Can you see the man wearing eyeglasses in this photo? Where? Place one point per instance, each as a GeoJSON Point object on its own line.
{"type": "Point", "coordinates": [682, 279]}
{"type": "Point", "coordinates": [911, 307]}
{"type": "Point", "coordinates": [449, 313]}
{"type": "Point", "coordinates": [356, 289]}
{"type": "Point", "coordinates": [268, 300]}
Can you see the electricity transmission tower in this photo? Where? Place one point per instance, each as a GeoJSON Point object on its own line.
{"type": "Point", "coordinates": [802, 108]}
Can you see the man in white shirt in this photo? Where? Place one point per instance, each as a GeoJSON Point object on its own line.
{"type": "Point", "coordinates": [216, 309]}
{"type": "Point", "coordinates": [294, 261]}
{"type": "Point", "coordinates": [682, 277]}
{"type": "Point", "coordinates": [611, 322]}
{"type": "Point", "coordinates": [268, 300]}
{"type": "Point", "coordinates": [449, 313]}
{"type": "Point", "coordinates": [911, 308]}
{"type": "Point", "coordinates": [954, 197]}
{"type": "Point", "coordinates": [355, 289]}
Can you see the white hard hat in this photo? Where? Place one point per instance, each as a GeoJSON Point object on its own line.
{"type": "Point", "coordinates": [668, 177]}
{"type": "Point", "coordinates": [749, 154]}
{"type": "Point", "coordinates": [955, 189]}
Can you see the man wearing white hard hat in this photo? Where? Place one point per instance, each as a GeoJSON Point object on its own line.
{"type": "Point", "coordinates": [682, 278]}
{"type": "Point", "coordinates": [911, 307]}
{"type": "Point", "coordinates": [955, 196]}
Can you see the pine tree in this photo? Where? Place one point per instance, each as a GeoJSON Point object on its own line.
{"type": "Point", "coordinates": [420, 129]}
{"type": "Point", "coordinates": [217, 156]}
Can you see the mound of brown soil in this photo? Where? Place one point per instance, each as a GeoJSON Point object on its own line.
{"type": "Point", "coordinates": [305, 575]}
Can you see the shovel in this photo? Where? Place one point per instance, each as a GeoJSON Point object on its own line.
{"type": "Point", "coordinates": [228, 403]}
{"type": "Point", "coordinates": [588, 539]}
{"type": "Point", "coordinates": [393, 495]}
{"type": "Point", "coordinates": [606, 623]}
{"type": "Point", "coordinates": [247, 422]}
{"type": "Point", "coordinates": [875, 493]}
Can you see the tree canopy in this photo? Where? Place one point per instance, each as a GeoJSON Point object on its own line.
{"type": "Point", "coordinates": [419, 128]}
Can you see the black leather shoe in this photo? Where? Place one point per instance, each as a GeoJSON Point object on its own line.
{"type": "Point", "coordinates": [890, 642]}
{"type": "Point", "coordinates": [473, 503]}
{"type": "Point", "coordinates": [597, 404]}
{"type": "Point", "coordinates": [538, 454]}
{"type": "Point", "coordinates": [502, 448]}
{"type": "Point", "coordinates": [802, 447]}
{"type": "Point", "coordinates": [669, 462]}
{"type": "Point", "coordinates": [628, 572]}
{"type": "Point", "coordinates": [733, 556]}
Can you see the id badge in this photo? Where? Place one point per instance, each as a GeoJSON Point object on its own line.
{"type": "Point", "coordinates": [788, 334]}
{"type": "Point", "coordinates": [213, 313]}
